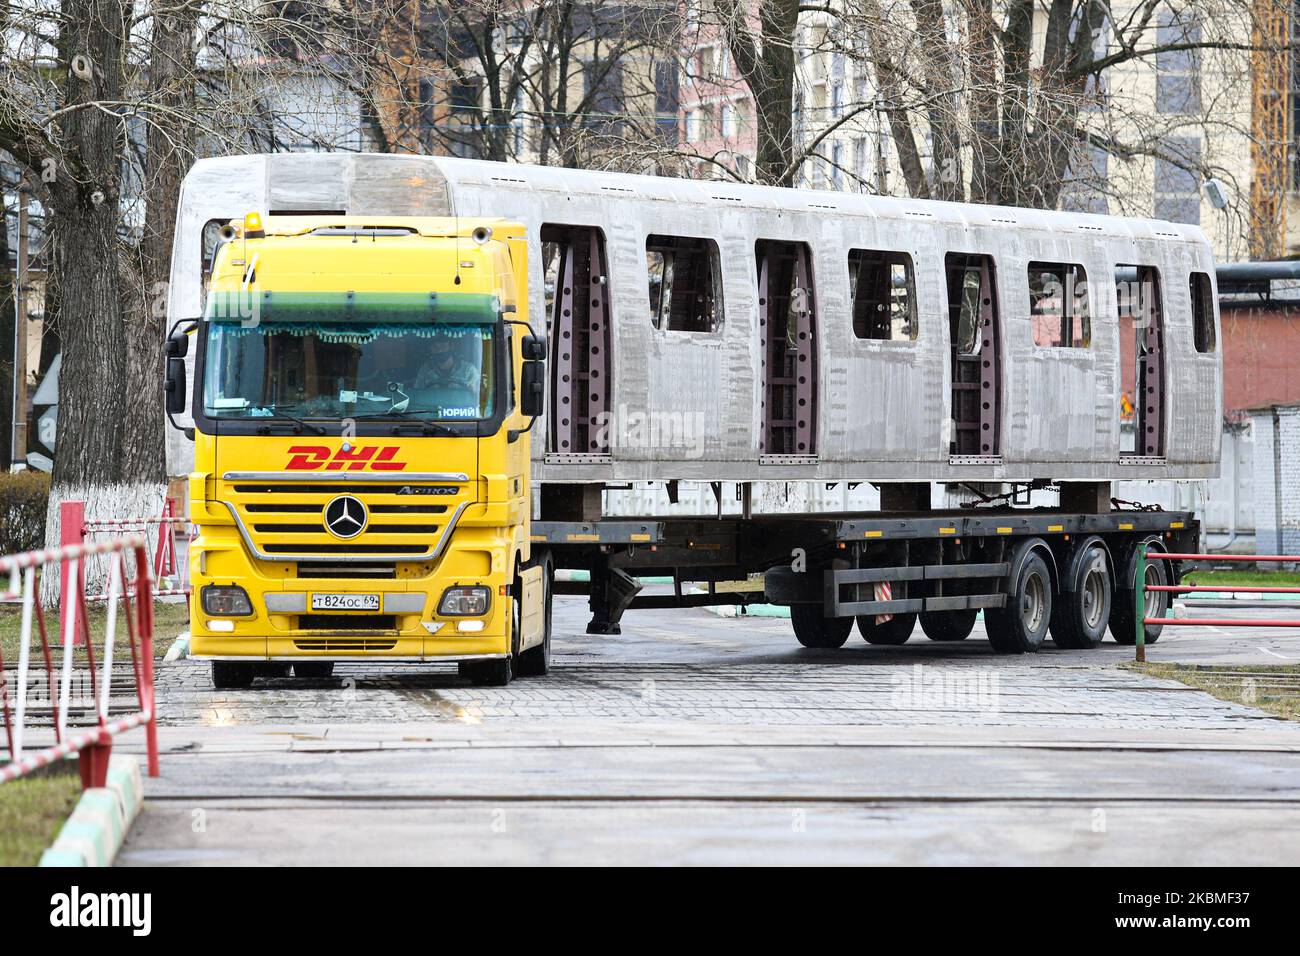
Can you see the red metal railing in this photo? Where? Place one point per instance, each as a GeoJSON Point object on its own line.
{"type": "Point", "coordinates": [130, 586]}
{"type": "Point", "coordinates": [162, 542]}
{"type": "Point", "coordinates": [1140, 594]}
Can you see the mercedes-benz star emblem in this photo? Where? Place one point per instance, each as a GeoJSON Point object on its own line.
{"type": "Point", "coordinates": [345, 517]}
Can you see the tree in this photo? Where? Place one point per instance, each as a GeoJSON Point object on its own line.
{"type": "Point", "coordinates": [996, 103]}
{"type": "Point", "coordinates": [561, 82]}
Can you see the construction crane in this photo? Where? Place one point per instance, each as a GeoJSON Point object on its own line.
{"type": "Point", "coordinates": [1270, 81]}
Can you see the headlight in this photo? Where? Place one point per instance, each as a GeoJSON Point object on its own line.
{"type": "Point", "coordinates": [226, 601]}
{"type": "Point", "coordinates": [464, 601]}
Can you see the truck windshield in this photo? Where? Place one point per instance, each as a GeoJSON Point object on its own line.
{"type": "Point", "coordinates": [318, 357]}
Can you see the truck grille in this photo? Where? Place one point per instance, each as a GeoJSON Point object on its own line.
{"type": "Point", "coordinates": [285, 520]}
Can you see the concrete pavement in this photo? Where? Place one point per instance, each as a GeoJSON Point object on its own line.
{"type": "Point", "coordinates": [698, 739]}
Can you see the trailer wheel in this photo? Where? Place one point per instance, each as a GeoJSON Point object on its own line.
{"type": "Point", "coordinates": [948, 625]}
{"type": "Point", "coordinates": [1123, 613]}
{"type": "Point", "coordinates": [813, 629]}
{"type": "Point", "coordinates": [1021, 626]}
{"type": "Point", "coordinates": [231, 675]}
{"type": "Point", "coordinates": [1080, 615]}
{"type": "Point", "coordinates": [536, 661]}
{"type": "Point", "coordinates": [895, 631]}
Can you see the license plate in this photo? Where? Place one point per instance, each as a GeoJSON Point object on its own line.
{"type": "Point", "coordinates": [345, 602]}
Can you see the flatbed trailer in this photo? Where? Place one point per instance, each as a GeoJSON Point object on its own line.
{"type": "Point", "coordinates": [1029, 569]}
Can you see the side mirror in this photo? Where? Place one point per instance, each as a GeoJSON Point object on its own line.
{"type": "Point", "coordinates": [177, 344]}
{"type": "Point", "coordinates": [534, 348]}
{"type": "Point", "coordinates": [174, 384]}
{"type": "Point", "coordinates": [532, 387]}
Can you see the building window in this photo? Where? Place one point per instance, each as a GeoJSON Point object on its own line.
{"type": "Point", "coordinates": [728, 122]}
{"type": "Point", "coordinates": [1059, 305]}
{"type": "Point", "coordinates": [883, 293]}
{"type": "Point", "coordinates": [1177, 182]}
{"type": "Point", "coordinates": [666, 100]}
{"type": "Point", "coordinates": [465, 96]}
{"type": "Point", "coordinates": [685, 284]}
{"type": "Point", "coordinates": [1202, 312]}
{"type": "Point", "coordinates": [1178, 72]}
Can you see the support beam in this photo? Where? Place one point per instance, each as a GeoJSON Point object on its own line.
{"type": "Point", "coordinates": [905, 496]}
{"type": "Point", "coordinates": [571, 502]}
{"type": "Point", "coordinates": [1086, 497]}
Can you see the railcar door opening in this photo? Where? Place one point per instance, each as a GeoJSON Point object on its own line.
{"type": "Point", "coordinates": [787, 326]}
{"type": "Point", "coordinates": [1142, 351]}
{"type": "Point", "coordinates": [576, 280]}
{"type": "Point", "coordinates": [974, 349]}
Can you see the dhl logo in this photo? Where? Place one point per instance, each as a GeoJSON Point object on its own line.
{"type": "Point", "coordinates": [321, 458]}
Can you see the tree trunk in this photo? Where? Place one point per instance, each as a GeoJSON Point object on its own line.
{"type": "Point", "coordinates": [768, 68]}
{"type": "Point", "coordinates": [169, 154]}
{"type": "Point", "coordinates": [10, 362]}
{"type": "Point", "coordinates": [84, 200]}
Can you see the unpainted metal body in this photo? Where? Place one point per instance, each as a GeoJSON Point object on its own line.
{"type": "Point", "coordinates": [882, 406]}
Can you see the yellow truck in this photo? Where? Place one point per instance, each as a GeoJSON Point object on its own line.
{"type": "Point", "coordinates": [363, 400]}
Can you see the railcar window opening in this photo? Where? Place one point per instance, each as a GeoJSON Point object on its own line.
{"type": "Point", "coordinates": [1059, 305]}
{"type": "Point", "coordinates": [575, 279]}
{"type": "Point", "coordinates": [685, 278]}
{"type": "Point", "coordinates": [1202, 312]}
{"type": "Point", "coordinates": [974, 355]}
{"type": "Point", "coordinates": [1142, 383]}
{"type": "Point", "coordinates": [883, 292]}
{"type": "Point", "coordinates": [788, 317]}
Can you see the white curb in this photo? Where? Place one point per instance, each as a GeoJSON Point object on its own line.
{"type": "Point", "coordinates": [101, 819]}
{"type": "Point", "coordinates": [180, 648]}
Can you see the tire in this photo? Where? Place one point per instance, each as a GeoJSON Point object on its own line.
{"type": "Point", "coordinates": [1123, 615]}
{"type": "Point", "coordinates": [1080, 615]}
{"type": "Point", "coordinates": [494, 673]}
{"type": "Point", "coordinates": [812, 629]}
{"type": "Point", "coordinates": [231, 675]}
{"type": "Point", "coordinates": [536, 661]}
{"type": "Point", "coordinates": [1021, 626]}
{"type": "Point", "coordinates": [948, 625]}
{"type": "Point", "coordinates": [314, 670]}
{"type": "Point", "coordinates": [895, 631]}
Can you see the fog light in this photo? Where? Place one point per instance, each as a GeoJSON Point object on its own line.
{"type": "Point", "coordinates": [469, 626]}
{"type": "Point", "coordinates": [466, 601]}
{"type": "Point", "coordinates": [226, 601]}
{"type": "Point", "coordinates": [221, 625]}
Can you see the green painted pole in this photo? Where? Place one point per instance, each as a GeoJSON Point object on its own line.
{"type": "Point", "coordinates": [1140, 602]}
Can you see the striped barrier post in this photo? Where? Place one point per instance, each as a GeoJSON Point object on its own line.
{"type": "Point", "coordinates": [133, 592]}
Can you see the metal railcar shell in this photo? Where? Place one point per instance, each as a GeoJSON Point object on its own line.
{"type": "Point", "coordinates": [881, 407]}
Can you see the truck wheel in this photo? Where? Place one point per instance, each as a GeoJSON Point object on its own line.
{"type": "Point", "coordinates": [536, 661]}
{"type": "Point", "coordinates": [231, 675]}
{"type": "Point", "coordinates": [813, 629]}
{"type": "Point", "coordinates": [1021, 626]}
{"type": "Point", "coordinates": [895, 631]}
{"type": "Point", "coordinates": [1079, 616]}
{"type": "Point", "coordinates": [314, 670]}
{"type": "Point", "coordinates": [948, 625]}
{"type": "Point", "coordinates": [494, 673]}
{"type": "Point", "coordinates": [1123, 614]}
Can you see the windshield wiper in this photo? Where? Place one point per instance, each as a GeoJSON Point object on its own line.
{"type": "Point", "coordinates": [438, 428]}
{"type": "Point", "coordinates": [277, 412]}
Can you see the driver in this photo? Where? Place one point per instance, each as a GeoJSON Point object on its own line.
{"type": "Point", "coordinates": [449, 366]}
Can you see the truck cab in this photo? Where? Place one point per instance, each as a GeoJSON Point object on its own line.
{"type": "Point", "coordinates": [363, 395]}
